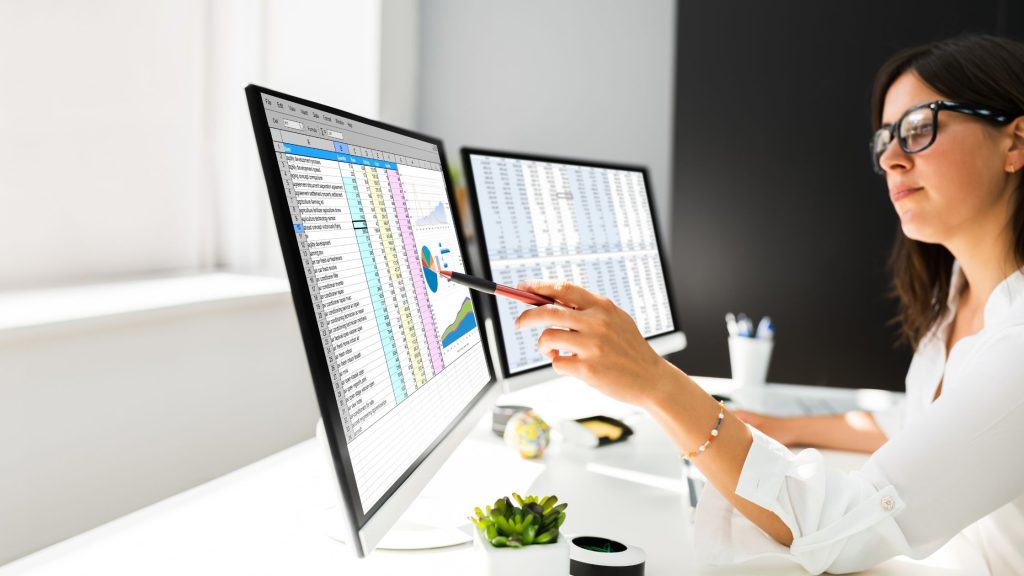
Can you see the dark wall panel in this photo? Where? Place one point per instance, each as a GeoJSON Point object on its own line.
{"type": "Point", "coordinates": [775, 207]}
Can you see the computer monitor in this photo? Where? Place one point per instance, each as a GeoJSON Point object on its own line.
{"type": "Point", "coordinates": [586, 222]}
{"type": "Point", "coordinates": [398, 361]}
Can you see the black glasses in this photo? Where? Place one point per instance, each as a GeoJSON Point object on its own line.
{"type": "Point", "coordinates": [916, 129]}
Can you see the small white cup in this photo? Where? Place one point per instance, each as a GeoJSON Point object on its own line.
{"type": "Point", "coordinates": [749, 359]}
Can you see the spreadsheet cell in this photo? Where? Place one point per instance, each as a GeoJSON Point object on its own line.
{"type": "Point", "coordinates": [589, 225]}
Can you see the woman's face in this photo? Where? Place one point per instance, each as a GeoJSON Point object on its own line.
{"type": "Point", "coordinates": [955, 187]}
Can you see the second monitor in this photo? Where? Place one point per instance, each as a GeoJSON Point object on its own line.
{"type": "Point", "coordinates": [589, 223]}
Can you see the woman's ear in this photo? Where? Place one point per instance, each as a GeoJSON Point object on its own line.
{"type": "Point", "coordinates": [1015, 155]}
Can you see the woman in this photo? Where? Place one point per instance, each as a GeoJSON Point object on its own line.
{"type": "Point", "coordinates": [950, 143]}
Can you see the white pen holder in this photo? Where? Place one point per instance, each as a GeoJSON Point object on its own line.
{"type": "Point", "coordinates": [749, 359]}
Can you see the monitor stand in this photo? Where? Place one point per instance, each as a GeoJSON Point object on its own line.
{"type": "Point", "coordinates": [423, 526]}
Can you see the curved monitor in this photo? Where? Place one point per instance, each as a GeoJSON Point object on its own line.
{"type": "Point", "coordinates": [586, 222]}
{"type": "Point", "coordinates": [399, 363]}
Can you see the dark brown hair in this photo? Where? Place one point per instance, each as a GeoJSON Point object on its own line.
{"type": "Point", "coordinates": [981, 70]}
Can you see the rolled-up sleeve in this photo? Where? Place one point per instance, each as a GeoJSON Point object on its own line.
{"type": "Point", "coordinates": [957, 462]}
{"type": "Point", "coordinates": [841, 521]}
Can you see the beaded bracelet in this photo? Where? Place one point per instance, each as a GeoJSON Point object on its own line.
{"type": "Point", "coordinates": [712, 436]}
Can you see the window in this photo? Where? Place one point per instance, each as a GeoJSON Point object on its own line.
{"type": "Point", "coordinates": [127, 148]}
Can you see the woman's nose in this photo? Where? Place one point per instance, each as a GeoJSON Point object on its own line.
{"type": "Point", "coordinates": [894, 158]}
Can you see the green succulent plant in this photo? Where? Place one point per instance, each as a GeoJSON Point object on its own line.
{"type": "Point", "coordinates": [534, 521]}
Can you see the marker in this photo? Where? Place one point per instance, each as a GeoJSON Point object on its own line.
{"type": "Point", "coordinates": [497, 289]}
{"type": "Point", "coordinates": [746, 326]}
{"type": "Point", "coordinates": [765, 328]}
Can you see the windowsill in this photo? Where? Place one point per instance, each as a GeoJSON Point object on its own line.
{"type": "Point", "coordinates": [34, 311]}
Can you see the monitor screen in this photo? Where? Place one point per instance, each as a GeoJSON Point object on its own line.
{"type": "Point", "coordinates": [588, 223]}
{"type": "Point", "coordinates": [364, 213]}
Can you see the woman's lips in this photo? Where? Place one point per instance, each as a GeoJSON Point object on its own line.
{"type": "Point", "coordinates": [903, 192]}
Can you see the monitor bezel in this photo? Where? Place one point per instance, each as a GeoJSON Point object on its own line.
{"type": "Point", "coordinates": [484, 258]}
{"type": "Point", "coordinates": [315, 355]}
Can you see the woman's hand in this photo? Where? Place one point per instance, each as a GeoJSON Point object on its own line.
{"type": "Point", "coordinates": [609, 353]}
{"type": "Point", "coordinates": [781, 429]}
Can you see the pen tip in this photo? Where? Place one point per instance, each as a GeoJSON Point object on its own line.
{"type": "Point", "coordinates": [446, 274]}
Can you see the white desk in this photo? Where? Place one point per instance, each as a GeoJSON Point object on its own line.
{"type": "Point", "coordinates": [268, 518]}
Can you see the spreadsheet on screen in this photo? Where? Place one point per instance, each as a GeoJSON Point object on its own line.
{"type": "Point", "coordinates": [371, 214]}
{"type": "Point", "coordinates": [588, 224]}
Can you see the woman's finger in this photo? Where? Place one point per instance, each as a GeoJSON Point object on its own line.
{"type": "Point", "coordinates": [567, 293]}
{"type": "Point", "coordinates": [569, 366]}
{"type": "Point", "coordinates": [551, 315]}
{"type": "Point", "coordinates": [555, 340]}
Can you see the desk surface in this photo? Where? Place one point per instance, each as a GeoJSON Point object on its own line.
{"type": "Point", "coordinates": [269, 517]}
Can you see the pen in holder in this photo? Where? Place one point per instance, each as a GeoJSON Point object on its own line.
{"type": "Point", "coordinates": [749, 359]}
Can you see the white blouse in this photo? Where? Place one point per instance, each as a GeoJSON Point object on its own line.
{"type": "Point", "coordinates": [950, 466]}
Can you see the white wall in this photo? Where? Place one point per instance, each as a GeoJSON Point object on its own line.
{"type": "Point", "coordinates": [400, 48]}
{"type": "Point", "coordinates": [102, 417]}
{"type": "Point", "coordinates": [99, 100]}
{"type": "Point", "coordinates": [127, 148]}
{"type": "Point", "coordinates": [580, 78]}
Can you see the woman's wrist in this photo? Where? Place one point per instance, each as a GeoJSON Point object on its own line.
{"type": "Point", "coordinates": [665, 383]}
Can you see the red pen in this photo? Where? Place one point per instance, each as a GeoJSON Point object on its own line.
{"type": "Point", "coordinates": [497, 289]}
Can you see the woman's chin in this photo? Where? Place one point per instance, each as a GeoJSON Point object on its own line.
{"type": "Point", "coordinates": [915, 231]}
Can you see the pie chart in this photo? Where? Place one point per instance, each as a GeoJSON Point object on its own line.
{"type": "Point", "coordinates": [429, 268]}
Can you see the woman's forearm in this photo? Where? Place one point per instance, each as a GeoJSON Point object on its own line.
{"type": "Point", "coordinates": [688, 414]}
{"type": "Point", "coordinates": [856, 431]}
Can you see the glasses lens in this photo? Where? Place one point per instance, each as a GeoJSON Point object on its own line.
{"type": "Point", "coordinates": [917, 130]}
{"type": "Point", "coordinates": [879, 142]}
